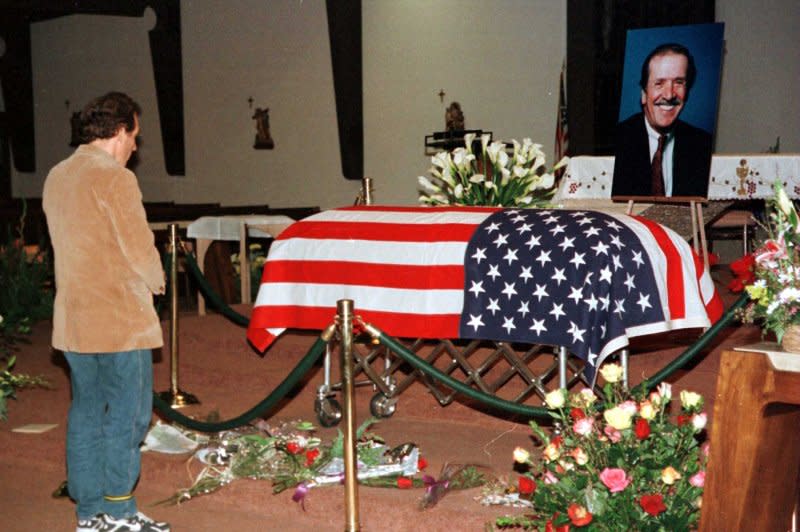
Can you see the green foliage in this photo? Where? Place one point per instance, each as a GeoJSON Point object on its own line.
{"type": "Point", "coordinates": [26, 296]}
{"type": "Point", "coordinates": [26, 287]}
{"type": "Point", "coordinates": [10, 383]}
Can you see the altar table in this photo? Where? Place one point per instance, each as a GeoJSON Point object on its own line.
{"type": "Point", "coordinates": [733, 177]}
{"type": "Point", "coordinates": [209, 228]}
{"type": "Point", "coordinates": [583, 280]}
{"type": "Point", "coordinates": [753, 476]}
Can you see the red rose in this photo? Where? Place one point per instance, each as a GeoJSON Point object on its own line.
{"type": "Point", "coordinates": [579, 515]}
{"type": "Point", "coordinates": [652, 504]}
{"type": "Point", "coordinates": [577, 414]}
{"type": "Point", "coordinates": [743, 265]}
{"type": "Point", "coordinates": [404, 483]}
{"type": "Point", "coordinates": [294, 448]}
{"type": "Point", "coordinates": [422, 463]}
{"type": "Point", "coordinates": [683, 420]}
{"type": "Point", "coordinates": [736, 285]}
{"type": "Point", "coordinates": [311, 456]}
{"type": "Point", "coordinates": [557, 441]}
{"type": "Point", "coordinates": [642, 428]}
{"type": "Point", "coordinates": [526, 485]}
{"type": "Point", "coordinates": [550, 527]}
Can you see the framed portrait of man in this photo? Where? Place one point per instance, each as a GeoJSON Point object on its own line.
{"type": "Point", "coordinates": [668, 111]}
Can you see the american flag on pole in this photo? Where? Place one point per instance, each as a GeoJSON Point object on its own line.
{"type": "Point", "coordinates": [562, 124]}
{"type": "Point", "coordinates": [580, 279]}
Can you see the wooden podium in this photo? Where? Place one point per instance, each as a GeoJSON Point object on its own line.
{"type": "Point", "coordinates": [752, 478]}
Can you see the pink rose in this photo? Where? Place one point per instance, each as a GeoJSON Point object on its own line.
{"type": "Point", "coordinates": [614, 479]}
{"type": "Point", "coordinates": [583, 426]}
{"type": "Point", "coordinates": [550, 478]}
{"type": "Point", "coordinates": [698, 480]}
{"type": "Point", "coordinates": [613, 434]}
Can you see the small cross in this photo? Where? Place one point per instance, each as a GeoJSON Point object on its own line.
{"type": "Point", "coordinates": [441, 95]}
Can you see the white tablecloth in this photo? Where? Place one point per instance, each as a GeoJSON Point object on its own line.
{"type": "Point", "coordinates": [208, 228]}
{"type": "Point", "coordinates": [229, 227]}
{"type": "Point", "coordinates": [733, 177]}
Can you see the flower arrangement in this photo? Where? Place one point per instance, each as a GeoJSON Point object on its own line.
{"type": "Point", "coordinates": [494, 177]}
{"type": "Point", "coordinates": [775, 291]}
{"type": "Point", "coordinates": [291, 456]}
{"type": "Point", "coordinates": [618, 463]}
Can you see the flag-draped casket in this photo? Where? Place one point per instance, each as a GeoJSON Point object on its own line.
{"type": "Point", "coordinates": [584, 280]}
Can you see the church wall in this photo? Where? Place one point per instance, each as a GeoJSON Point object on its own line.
{"type": "Point", "coordinates": [500, 60]}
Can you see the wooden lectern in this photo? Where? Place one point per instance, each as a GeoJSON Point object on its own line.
{"type": "Point", "coordinates": [752, 477]}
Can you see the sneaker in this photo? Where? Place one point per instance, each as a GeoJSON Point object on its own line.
{"type": "Point", "coordinates": [95, 524]}
{"type": "Point", "coordinates": [136, 523]}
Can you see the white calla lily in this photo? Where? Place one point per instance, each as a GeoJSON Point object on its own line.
{"type": "Point", "coordinates": [469, 138]}
{"type": "Point", "coordinates": [427, 185]}
{"type": "Point", "coordinates": [477, 178]}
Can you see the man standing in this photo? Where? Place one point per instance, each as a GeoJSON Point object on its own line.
{"type": "Point", "coordinates": [107, 270]}
{"type": "Point", "coordinates": [657, 153]}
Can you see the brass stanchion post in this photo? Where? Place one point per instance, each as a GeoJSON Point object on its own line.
{"type": "Point", "coordinates": [174, 395]}
{"type": "Point", "coordinates": [344, 310]}
{"type": "Point", "coordinates": [366, 190]}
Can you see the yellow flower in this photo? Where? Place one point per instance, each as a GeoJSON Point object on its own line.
{"type": "Point", "coordinates": [551, 452]}
{"type": "Point", "coordinates": [611, 372]}
{"type": "Point", "coordinates": [669, 475]}
{"type": "Point", "coordinates": [618, 418]}
{"type": "Point", "coordinates": [521, 456]}
{"type": "Point", "coordinates": [555, 399]}
{"type": "Point", "coordinates": [691, 399]}
{"type": "Point", "coordinates": [647, 411]}
{"type": "Point", "coordinates": [584, 399]}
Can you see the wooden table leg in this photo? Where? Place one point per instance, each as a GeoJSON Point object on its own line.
{"type": "Point", "coordinates": [244, 264]}
{"type": "Point", "coordinates": [202, 248]}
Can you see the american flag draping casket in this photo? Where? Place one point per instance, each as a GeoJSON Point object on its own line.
{"type": "Point", "coordinates": [584, 280]}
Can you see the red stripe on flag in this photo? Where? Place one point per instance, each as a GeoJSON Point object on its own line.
{"type": "Point", "coordinates": [675, 288]}
{"type": "Point", "coordinates": [392, 232]}
{"type": "Point", "coordinates": [394, 323]}
{"type": "Point", "coordinates": [365, 274]}
{"type": "Point", "coordinates": [714, 307]}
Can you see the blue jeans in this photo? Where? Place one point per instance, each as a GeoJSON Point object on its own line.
{"type": "Point", "coordinates": [112, 401]}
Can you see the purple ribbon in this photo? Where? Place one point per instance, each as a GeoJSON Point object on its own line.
{"type": "Point", "coordinates": [300, 494]}
{"type": "Point", "coordinates": [431, 484]}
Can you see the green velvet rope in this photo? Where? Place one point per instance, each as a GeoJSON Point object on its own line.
{"type": "Point", "coordinates": [538, 411]}
{"type": "Point", "coordinates": [211, 296]}
{"type": "Point", "coordinates": [266, 404]}
{"type": "Point", "coordinates": [696, 347]}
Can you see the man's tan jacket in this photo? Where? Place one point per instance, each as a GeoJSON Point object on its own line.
{"type": "Point", "coordinates": [106, 264]}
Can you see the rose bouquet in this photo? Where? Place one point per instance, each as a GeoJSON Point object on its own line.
{"type": "Point", "coordinates": [618, 463]}
{"type": "Point", "coordinates": [493, 177]}
{"type": "Point", "coordinates": [775, 293]}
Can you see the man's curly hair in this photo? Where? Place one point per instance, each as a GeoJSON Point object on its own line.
{"type": "Point", "coordinates": [103, 116]}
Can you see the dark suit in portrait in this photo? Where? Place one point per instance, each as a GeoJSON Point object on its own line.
{"type": "Point", "coordinates": [691, 159]}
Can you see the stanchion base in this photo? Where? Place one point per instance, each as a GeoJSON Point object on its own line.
{"type": "Point", "coordinates": [179, 399]}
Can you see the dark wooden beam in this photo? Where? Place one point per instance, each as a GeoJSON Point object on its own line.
{"type": "Point", "coordinates": [344, 31]}
{"type": "Point", "coordinates": [16, 70]}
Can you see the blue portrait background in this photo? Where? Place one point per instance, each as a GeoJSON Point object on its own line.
{"type": "Point", "coordinates": [705, 42]}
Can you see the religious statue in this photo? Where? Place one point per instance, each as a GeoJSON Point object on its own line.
{"type": "Point", "coordinates": [263, 139]}
{"type": "Point", "coordinates": [454, 117]}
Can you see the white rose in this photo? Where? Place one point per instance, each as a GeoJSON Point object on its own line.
{"type": "Point", "coordinates": [555, 399]}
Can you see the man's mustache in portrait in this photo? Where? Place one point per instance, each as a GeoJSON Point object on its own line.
{"type": "Point", "coordinates": [672, 101]}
